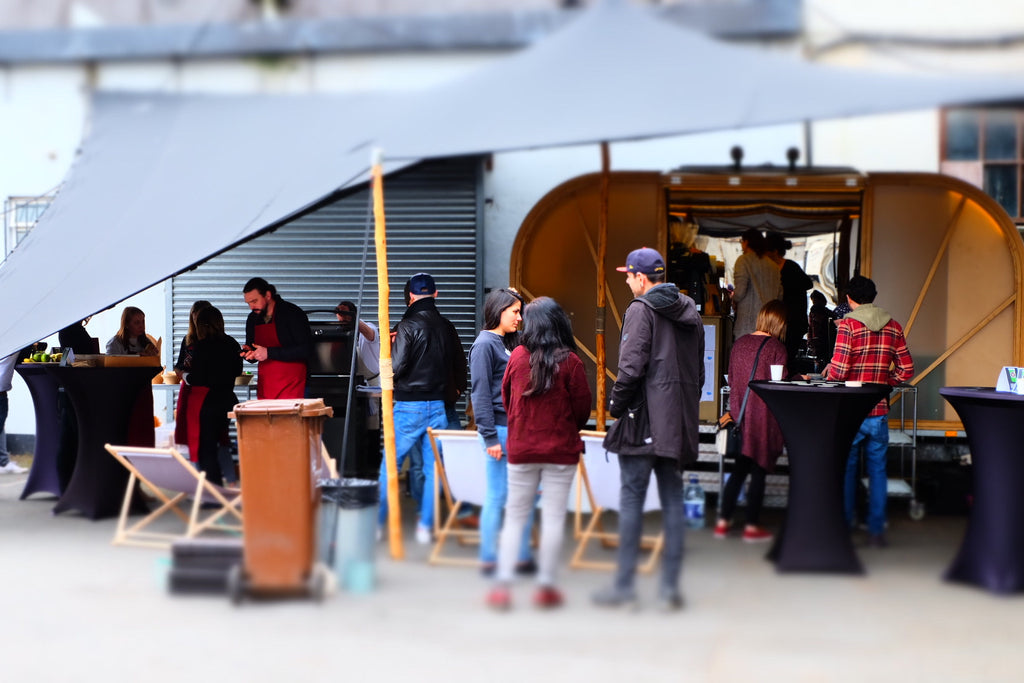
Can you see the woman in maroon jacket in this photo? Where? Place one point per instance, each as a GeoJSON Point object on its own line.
{"type": "Point", "coordinates": [762, 437]}
{"type": "Point", "coordinates": [547, 400]}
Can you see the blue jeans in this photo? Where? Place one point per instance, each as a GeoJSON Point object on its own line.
{"type": "Point", "coordinates": [874, 436]}
{"type": "Point", "coordinates": [416, 482]}
{"type": "Point", "coordinates": [411, 421]}
{"type": "Point", "coordinates": [635, 472]}
{"type": "Point", "coordinates": [494, 504]}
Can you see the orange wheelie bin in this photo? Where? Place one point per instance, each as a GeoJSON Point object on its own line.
{"type": "Point", "coordinates": [280, 461]}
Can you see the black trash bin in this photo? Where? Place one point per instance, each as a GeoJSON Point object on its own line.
{"type": "Point", "coordinates": [348, 530]}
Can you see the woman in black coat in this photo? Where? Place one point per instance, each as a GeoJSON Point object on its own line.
{"type": "Point", "coordinates": [216, 362]}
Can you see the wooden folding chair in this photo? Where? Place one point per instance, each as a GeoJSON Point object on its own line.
{"type": "Point", "coordinates": [462, 478]}
{"type": "Point", "coordinates": [163, 471]}
{"type": "Point", "coordinates": [598, 476]}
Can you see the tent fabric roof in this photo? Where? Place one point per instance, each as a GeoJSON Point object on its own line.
{"type": "Point", "coordinates": [619, 73]}
{"type": "Point", "coordinates": [166, 181]}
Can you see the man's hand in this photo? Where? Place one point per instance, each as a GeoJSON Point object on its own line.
{"type": "Point", "coordinates": [255, 353]}
{"type": "Point", "coordinates": [494, 451]}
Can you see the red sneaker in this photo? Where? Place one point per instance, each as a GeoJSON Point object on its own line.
{"type": "Point", "coordinates": [721, 529]}
{"type": "Point", "coordinates": [499, 599]}
{"type": "Point", "coordinates": [756, 535]}
{"type": "Point", "coordinates": [548, 597]}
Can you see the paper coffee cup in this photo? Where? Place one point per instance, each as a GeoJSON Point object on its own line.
{"type": "Point", "coordinates": [776, 373]}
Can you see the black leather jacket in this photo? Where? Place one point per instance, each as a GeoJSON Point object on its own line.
{"type": "Point", "coordinates": [428, 355]}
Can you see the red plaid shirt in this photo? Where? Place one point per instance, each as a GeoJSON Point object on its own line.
{"type": "Point", "coordinates": [865, 356]}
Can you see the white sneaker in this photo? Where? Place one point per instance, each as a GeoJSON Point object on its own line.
{"type": "Point", "coordinates": [13, 468]}
{"type": "Point", "coordinates": [423, 536]}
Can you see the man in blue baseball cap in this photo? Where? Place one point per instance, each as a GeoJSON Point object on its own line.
{"type": "Point", "coordinates": [427, 360]}
{"type": "Point", "coordinates": [661, 362]}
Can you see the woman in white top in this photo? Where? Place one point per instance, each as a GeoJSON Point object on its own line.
{"type": "Point", "coordinates": [132, 337]}
{"type": "Point", "coordinates": [757, 281]}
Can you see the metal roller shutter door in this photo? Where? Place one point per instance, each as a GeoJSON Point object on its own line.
{"type": "Point", "coordinates": [314, 261]}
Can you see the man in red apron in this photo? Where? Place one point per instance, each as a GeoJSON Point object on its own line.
{"type": "Point", "coordinates": [277, 336]}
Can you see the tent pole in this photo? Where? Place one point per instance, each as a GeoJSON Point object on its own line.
{"type": "Point", "coordinates": [602, 249]}
{"type": "Point", "coordinates": [387, 384]}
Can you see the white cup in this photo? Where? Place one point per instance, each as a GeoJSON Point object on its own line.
{"type": "Point", "coordinates": [776, 373]}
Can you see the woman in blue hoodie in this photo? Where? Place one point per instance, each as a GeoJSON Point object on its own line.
{"type": "Point", "coordinates": [487, 360]}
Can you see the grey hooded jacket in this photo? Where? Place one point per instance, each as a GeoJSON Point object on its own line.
{"type": "Point", "coordinates": [661, 360]}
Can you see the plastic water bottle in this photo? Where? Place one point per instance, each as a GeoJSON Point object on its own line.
{"type": "Point", "coordinates": [693, 503]}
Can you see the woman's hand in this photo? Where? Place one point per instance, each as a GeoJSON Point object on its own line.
{"type": "Point", "coordinates": [494, 451]}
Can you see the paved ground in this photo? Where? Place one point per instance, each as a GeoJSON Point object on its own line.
{"type": "Point", "coordinates": [76, 608]}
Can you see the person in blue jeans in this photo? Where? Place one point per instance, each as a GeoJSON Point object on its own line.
{"type": "Point", "coordinates": [488, 358]}
{"type": "Point", "coordinates": [427, 358]}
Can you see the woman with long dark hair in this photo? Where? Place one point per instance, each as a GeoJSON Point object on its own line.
{"type": "Point", "coordinates": [216, 361]}
{"type": "Point", "coordinates": [186, 432]}
{"type": "Point", "coordinates": [762, 437]}
{"type": "Point", "coordinates": [548, 401]}
{"type": "Point", "coordinates": [488, 358]}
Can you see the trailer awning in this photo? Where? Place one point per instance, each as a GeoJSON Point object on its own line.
{"type": "Point", "coordinates": [164, 182]}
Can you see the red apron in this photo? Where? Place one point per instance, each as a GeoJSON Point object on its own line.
{"type": "Point", "coordinates": [186, 418]}
{"type": "Point", "coordinates": [277, 378]}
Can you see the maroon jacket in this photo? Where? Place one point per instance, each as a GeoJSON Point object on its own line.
{"type": "Point", "coordinates": [545, 428]}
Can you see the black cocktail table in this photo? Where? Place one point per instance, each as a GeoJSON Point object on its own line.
{"type": "Point", "coordinates": [818, 421]}
{"type": "Point", "coordinates": [992, 552]}
{"type": "Point", "coordinates": [105, 401]}
{"type": "Point", "coordinates": [42, 478]}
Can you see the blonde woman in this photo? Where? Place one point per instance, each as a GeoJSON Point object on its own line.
{"type": "Point", "coordinates": [131, 338]}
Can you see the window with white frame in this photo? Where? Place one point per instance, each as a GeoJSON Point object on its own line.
{"type": "Point", "coordinates": [20, 216]}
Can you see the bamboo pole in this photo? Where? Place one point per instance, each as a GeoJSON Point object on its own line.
{"type": "Point", "coordinates": [602, 249]}
{"type": "Point", "coordinates": [387, 383]}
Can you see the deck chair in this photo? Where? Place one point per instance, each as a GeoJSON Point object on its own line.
{"type": "Point", "coordinates": [459, 478]}
{"type": "Point", "coordinates": [165, 471]}
{"type": "Point", "coordinates": [597, 491]}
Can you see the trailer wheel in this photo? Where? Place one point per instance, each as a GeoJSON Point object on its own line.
{"type": "Point", "coordinates": [235, 584]}
{"type": "Point", "coordinates": [916, 510]}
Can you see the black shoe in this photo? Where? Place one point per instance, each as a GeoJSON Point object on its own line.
{"type": "Point", "coordinates": [878, 541]}
{"type": "Point", "coordinates": [528, 568]}
{"type": "Point", "coordinates": [670, 601]}
{"type": "Point", "coordinates": [488, 570]}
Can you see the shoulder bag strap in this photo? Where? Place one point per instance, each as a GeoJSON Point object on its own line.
{"type": "Point", "coordinates": [753, 370]}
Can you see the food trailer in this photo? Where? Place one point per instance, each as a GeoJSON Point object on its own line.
{"type": "Point", "coordinates": [946, 258]}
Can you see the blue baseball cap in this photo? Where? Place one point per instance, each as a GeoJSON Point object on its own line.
{"type": "Point", "coordinates": [644, 260]}
{"type": "Point", "coordinates": [422, 283]}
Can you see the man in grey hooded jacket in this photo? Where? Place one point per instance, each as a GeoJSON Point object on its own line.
{"type": "Point", "coordinates": [661, 361]}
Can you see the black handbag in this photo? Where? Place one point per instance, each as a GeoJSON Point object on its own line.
{"type": "Point", "coordinates": [729, 440]}
{"type": "Point", "coordinates": [632, 430]}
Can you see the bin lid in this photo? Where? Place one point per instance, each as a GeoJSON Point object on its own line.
{"type": "Point", "coordinates": [305, 407]}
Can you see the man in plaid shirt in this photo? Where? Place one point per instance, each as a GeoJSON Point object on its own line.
{"type": "Point", "coordinates": [870, 347]}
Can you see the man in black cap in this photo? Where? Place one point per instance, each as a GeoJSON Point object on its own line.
{"type": "Point", "coordinates": [661, 361]}
{"type": "Point", "coordinates": [427, 357]}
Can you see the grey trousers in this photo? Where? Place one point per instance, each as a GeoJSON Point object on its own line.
{"type": "Point", "coordinates": [523, 482]}
{"type": "Point", "coordinates": [635, 476]}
